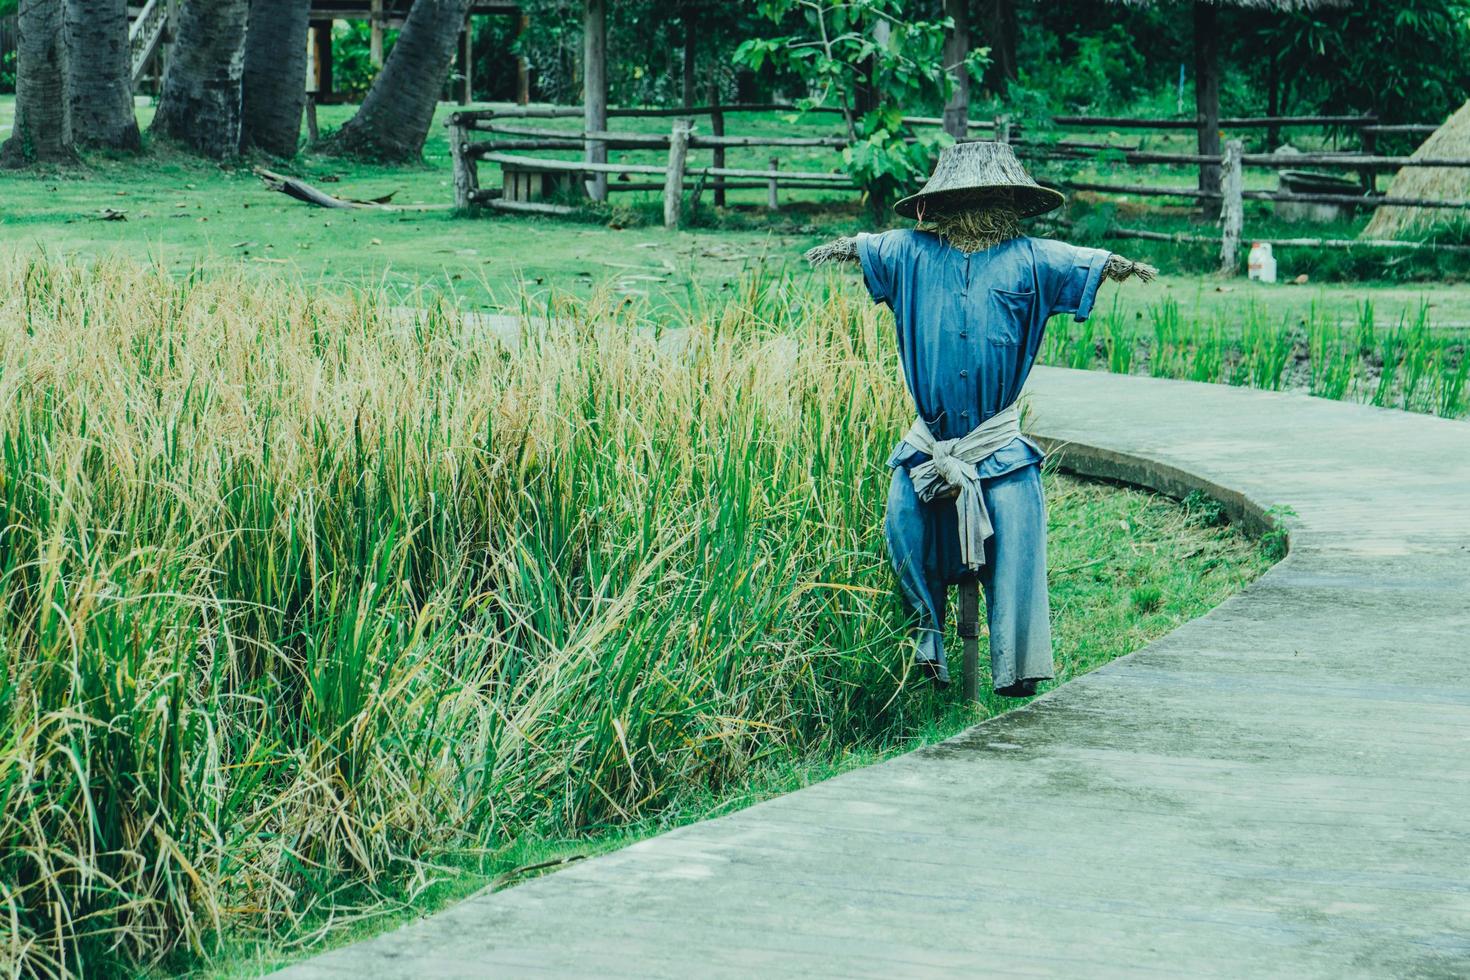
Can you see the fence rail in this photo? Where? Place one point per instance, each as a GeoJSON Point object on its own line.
{"type": "Point", "coordinates": [677, 176]}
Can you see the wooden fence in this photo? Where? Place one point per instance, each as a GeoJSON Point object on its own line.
{"type": "Point", "coordinates": [530, 178]}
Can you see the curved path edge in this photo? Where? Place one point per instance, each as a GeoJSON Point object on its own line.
{"type": "Point", "coordinates": [1279, 787]}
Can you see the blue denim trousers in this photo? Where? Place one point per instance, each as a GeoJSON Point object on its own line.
{"type": "Point", "coordinates": [923, 542]}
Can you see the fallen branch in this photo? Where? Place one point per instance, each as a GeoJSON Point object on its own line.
{"type": "Point", "coordinates": [302, 191]}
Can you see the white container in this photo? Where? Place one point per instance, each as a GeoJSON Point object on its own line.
{"type": "Point", "coordinates": [1261, 265]}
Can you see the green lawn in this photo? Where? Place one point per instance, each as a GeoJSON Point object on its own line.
{"type": "Point", "coordinates": [184, 213]}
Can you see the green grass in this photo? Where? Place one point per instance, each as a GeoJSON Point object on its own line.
{"type": "Point", "coordinates": [1412, 365]}
{"type": "Point", "coordinates": [311, 604]}
{"type": "Point", "coordinates": [185, 214]}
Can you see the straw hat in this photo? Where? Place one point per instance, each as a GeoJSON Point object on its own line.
{"type": "Point", "coordinates": [977, 173]}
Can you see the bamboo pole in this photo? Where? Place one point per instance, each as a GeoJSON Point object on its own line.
{"type": "Point", "coordinates": [674, 176]}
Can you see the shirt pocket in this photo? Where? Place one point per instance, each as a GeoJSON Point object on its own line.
{"type": "Point", "coordinates": [1009, 310]}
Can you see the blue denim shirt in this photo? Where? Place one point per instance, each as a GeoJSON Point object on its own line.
{"type": "Point", "coordinates": [970, 326]}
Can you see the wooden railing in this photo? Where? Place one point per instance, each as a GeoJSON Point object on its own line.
{"type": "Point", "coordinates": [675, 177]}
{"type": "Point", "coordinates": [672, 178]}
{"type": "Point", "coordinates": [145, 34]}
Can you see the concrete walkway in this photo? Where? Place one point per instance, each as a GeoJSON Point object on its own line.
{"type": "Point", "coordinates": [1281, 787]}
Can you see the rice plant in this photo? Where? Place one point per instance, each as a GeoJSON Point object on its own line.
{"type": "Point", "coordinates": [1170, 341]}
{"type": "Point", "coordinates": [1120, 341]}
{"type": "Point", "coordinates": [1413, 366]}
{"type": "Point", "coordinates": [303, 589]}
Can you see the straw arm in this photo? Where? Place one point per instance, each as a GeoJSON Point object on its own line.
{"type": "Point", "coordinates": [1119, 269]}
{"type": "Point", "coordinates": [838, 250]}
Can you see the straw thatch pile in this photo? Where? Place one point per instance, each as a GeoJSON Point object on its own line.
{"type": "Point", "coordinates": [1452, 140]}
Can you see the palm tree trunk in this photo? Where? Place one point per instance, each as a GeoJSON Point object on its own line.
{"type": "Point", "coordinates": [200, 105]}
{"type": "Point", "coordinates": [274, 81]}
{"type": "Point", "coordinates": [100, 69]}
{"type": "Point", "coordinates": [42, 128]}
{"type": "Point", "coordinates": [395, 116]}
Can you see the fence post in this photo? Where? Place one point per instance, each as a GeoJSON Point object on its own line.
{"type": "Point", "coordinates": [1003, 129]}
{"type": "Point", "coordinates": [466, 173]}
{"type": "Point", "coordinates": [969, 630]}
{"type": "Point", "coordinates": [674, 176]}
{"type": "Point", "coordinates": [1232, 213]}
{"type": "Point", "coordinates": [771, 202]}
{"type": "Point", "coordinates": [717, 128]}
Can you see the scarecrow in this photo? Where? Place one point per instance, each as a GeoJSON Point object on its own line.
{"type": "Point", "coordinates": [970, 296]}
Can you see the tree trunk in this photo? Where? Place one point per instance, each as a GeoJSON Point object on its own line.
{"type": "Point", "coordinates": [41, 132]}
{"type": "Point", "coordinates": [1000, 34]}
{"type": "Point", "coordinates": [956, 49]}
{"type": "Point", "coordinates": [200, 105]}
{"type": "Point", "coordinates": [686, 14]}
{"type": "Point", "coordinates": [100, 71]}
{"type": "Point", "coordinates": [273, 85]}
{"type": "Point", "coordinates": [395, 117]}
{"type": "Point", "coordinates": [1207, 98]}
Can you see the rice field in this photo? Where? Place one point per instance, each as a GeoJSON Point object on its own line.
{"type": "Point", "coordinates": [302, 594]}
{"type": "Point", "coordinates": [1411, 365]}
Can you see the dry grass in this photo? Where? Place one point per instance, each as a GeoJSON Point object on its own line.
{"type": "Point", "coordinates": [976, 229]}
{"type": "Point", "coordinates": [1450, 141]}
{"type": "Point", "coordinates": [295, 594]}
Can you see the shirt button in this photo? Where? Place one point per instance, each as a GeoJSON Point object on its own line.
{"type": "Point", "coordinates": [964, 334]}
{"type": "Point", "coordinates": [964, 374]}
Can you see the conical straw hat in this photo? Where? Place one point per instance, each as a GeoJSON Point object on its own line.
{"type": "Point", "coordinates": [975, 174]}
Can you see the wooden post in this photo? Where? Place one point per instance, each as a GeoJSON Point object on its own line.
{"type": "Point", "coordinates": [1002, 129]}
{"type": "Point", "coordinates": [1207, 98]}
{"type": "Point", "coordinates": [771, 201]}
{"type": "Point", "coordinates": [1232, 185]}
{"type": "Point", "coordinates": [717, 127]}
{"type": "Point", "coordinates": [375, 33]}
{"type": "Point", "coordinates": [594, 90]}
{"type": "Point", "coordinates": [969, 630]}
{"type": "Point", "coordinates": [466, 170]}
{"type": "Point", "coordinates": [321, 49]}
{"type": "Point", "coordinates": [674, 176]}
{"type": "Point", "coordinates": [166, 49]}
{"type": "Point", "coordinates": [312, 132]}
{"type": "Point", "coordinates": [523, 65]}
{"type": "Point", "coordinates": [1367, 176]}
{"type": "Point", "coordinates": [466, 62]}
{"type": "Point", "coordinates": [956, 49]}
{"type": "Point", "coordinates": [686, 14]}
